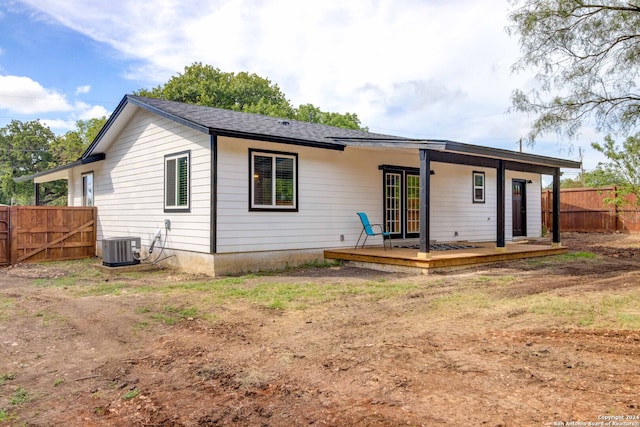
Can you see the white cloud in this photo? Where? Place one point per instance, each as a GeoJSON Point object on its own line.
{"type": "Point", "coordinates": [83, 89]}
{"type": "Point", "coordinates": [85, 111]}
{"type": "Point", "coordinates": [81, 111]}
{"type": "Point", "coordinates": [59, 126]}
{"type": "Point", "coordinates": [24, 96]}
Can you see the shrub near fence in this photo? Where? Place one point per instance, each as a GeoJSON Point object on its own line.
{"type": "Point", "coordinates": [584, 210]}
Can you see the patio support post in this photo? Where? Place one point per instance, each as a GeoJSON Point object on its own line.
{"type": "Point", "coordinates": [500, 188]}
{"type": "Point", "coordinates": [556, 208]}
{"type": "Point", "coordinates": [425, 193]}
{"type": "Point", "coordinates": [36, 194]}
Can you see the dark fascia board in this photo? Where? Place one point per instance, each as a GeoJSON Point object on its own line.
{"type": "Point", "coordinates": [82, 161]}
{"type": "Point", "coordinates": [93, 158]}
{"type": "Point", "coordinates": [514, 156]}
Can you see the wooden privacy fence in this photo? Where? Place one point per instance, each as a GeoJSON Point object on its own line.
{"type": "Point", "coordinates": [46, 233]}
{"type": "Point", "coordinates": [584, 210]}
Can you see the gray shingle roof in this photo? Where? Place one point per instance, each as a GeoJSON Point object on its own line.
{"type": "Point", "coordinates": [227, 122]}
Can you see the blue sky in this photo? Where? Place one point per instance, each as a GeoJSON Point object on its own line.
{"type": "Point", "coordinates": [416, 68]}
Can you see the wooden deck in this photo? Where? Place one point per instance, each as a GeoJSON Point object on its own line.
{"type": "Point", "coordinates": [402, 259]}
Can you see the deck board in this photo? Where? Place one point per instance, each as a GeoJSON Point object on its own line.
{"type": "Point", "coordinates": [483, 253]}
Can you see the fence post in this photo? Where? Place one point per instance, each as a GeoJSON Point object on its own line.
{"type": "Point", "coordinates": [95, 231]}
{"type": "Point", "coordinates": [617, 225]}
{"type": "Point", "coordinates": [13, 236]}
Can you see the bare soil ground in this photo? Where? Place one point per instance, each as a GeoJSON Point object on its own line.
{"type": "Point", "coordinates": [538, 342]}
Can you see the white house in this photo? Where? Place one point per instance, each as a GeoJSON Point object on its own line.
{"type": "Point", "coordinates": [233, 192]}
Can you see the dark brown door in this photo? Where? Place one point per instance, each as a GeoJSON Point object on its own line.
{"type": "Point", "coordinates": [519, 208]}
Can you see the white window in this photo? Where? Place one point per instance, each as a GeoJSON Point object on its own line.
{"type": "Point", "coordinates": [176, 182]}
{"type": "Point", "coordinates": [478, 187]}
{"type": "Point", "coordinates": [273, 181]}
{"type": "Point", "coordinates": [87, 189]}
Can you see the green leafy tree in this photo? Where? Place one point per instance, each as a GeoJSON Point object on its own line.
{"type": "Point", "coordinates": [586, 57]}
{"type": "Point", "coordinates": [624, 166]}
{"type": "Point", "coordinates": [311, 113]}
{"type": "Point", "coordinates": [568, 183]}
{"type": "Point", "coordinates": [69, 147]}
{"type": "Point", "coordinates": [24, 149]}
{"type": "Point", "coordinates": [30, 147]}
{"type": "Point", "coordinates": [601, 176]}
{"type": "Point", "coordinates": [205, 85]}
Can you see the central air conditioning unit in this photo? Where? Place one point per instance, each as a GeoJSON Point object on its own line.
{"type": "Point", "coordinates": [120, 251]}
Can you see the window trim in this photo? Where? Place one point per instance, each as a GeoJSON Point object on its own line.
{"type": "Point", "coordinates": [84, 192]}
{"type": "Point", "coordinates": [475, 187]}
{"type": "Point", "coordinates": [273, 207]}
{"type": "Point", "coordinates": [176, 156]}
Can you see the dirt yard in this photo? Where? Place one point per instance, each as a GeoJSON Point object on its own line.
{"type": "Point", "coordinates": [540, 342]}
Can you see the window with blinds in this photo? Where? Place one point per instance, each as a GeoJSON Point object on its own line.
{"type": "Point", "coordinates": [273, 181]}
{"type": "Point", "coordinates": [176, 179]}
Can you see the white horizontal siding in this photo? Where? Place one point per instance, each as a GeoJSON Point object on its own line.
{"type": "Point", "coordinates": [452, 207]}
{"type": "Point", "coordinates": [129, 184]}
{"type": "Point", "coordinates": [332, 187]}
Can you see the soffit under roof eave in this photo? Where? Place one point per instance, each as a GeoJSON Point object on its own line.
{"type": "Point", "coordinates": [54, 176]}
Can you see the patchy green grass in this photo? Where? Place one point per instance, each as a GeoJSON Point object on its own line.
{"type": "Point", "coordinates": [5, 416]}
{"type": "Point", "coordinates": [476, 296]}
{"type": "Point", "coordinates": [592, 310]}
{"type": "Point", "coordinates": [19, 397]}
{"type": "Point", "coordinates": [170, 315]}
{"type": "Point", "coordinates": [131, 394]}
{"type": "Point", "coordinates": [6, 304]}
{"type": "Point", "coordinates": [569, 257]}
{"type": "Point", "coordinates": [48, 317]}
{"type": "Point", "coordinates": [7, 377]}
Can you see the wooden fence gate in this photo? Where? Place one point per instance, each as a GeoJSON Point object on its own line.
{"type": "Point", "coordinates": [46, 233]}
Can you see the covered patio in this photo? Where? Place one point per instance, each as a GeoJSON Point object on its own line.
{"type": "Point", "coordinates": [424, 253]}
{"type": "Point", "coordinates": [402, 259]}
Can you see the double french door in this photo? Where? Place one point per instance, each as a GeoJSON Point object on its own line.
{"type": "Point", "coordinates": [402, 202]}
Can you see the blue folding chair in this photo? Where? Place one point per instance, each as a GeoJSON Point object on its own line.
{"type": "Point", "coordinates": [367, 229]}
